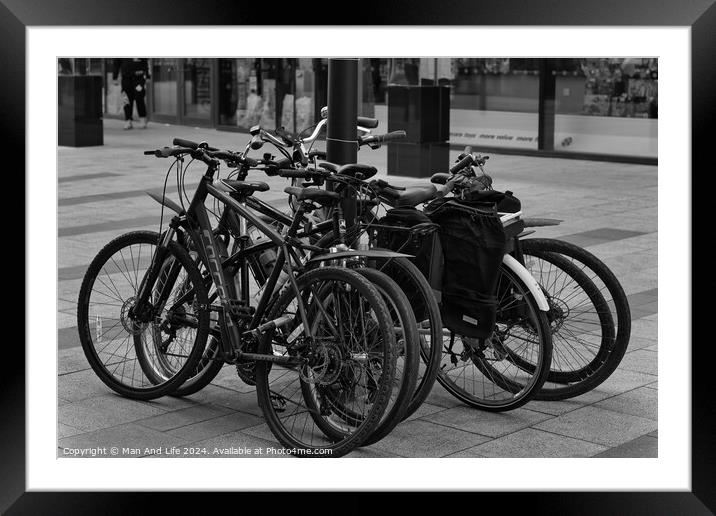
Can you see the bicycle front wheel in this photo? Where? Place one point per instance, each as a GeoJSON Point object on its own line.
{"type": "Point", "coordinates": [149, 356]}
{"type": "Point", "coordinates": [338, 388]}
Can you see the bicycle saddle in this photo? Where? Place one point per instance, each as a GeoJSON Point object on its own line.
{"type": "Point", "coordinates": [415, 195]}
{"type": "Point", "coordinates": [322, 197]}
{"type": "Point", "coordinates": [245, 187]}
{"type": "Point", "coordinates": [351, 169]}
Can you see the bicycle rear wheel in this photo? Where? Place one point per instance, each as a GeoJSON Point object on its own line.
{"type": "Point", "coordinates": [142, 357]}
{"type": "Point", "coordinates": [596, 363]}
{"type": "Point", "coordinates": [484, 373]}
{"type": "Point", "coordinates": [335, 398]}
{"type": "Point", "coordinates": [425, 307]}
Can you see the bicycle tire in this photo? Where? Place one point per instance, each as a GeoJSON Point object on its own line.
{"type": "Point", "coordinates": [581, 322]}
{"type": "Point", "coordinates": [341, 368]}
{"type": "Point", "coordinates": [406, 377]}
{"type": "Point", "coordinates": [491, 389]}
{"type": "Point", "coordinates": [142, 387]}
{"type": "Point", "coordinates": [616, 298]}
{"type": "Point", "coordinates": [210, 365]}
{"type": "Point", "coordinates": [411, 280]}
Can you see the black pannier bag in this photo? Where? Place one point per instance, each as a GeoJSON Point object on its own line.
{"type": "Point", "coordinates": [473, 242]}
{"type": "Point", "coordinates": [505, 202]}
{"type": "Point", "coordinates": [424, 246]}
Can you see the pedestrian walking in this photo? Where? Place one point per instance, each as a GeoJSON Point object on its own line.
{"type": "Point", "coordinates": [135, 73]}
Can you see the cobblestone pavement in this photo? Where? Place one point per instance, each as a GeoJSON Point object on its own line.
{"type": "Point", "coordinates": [609, 208]}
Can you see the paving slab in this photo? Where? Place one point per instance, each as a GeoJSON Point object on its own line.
{"type": "Point", "coordinates": [621, 380]}
{"type": "Point", "coordinates": [645, 446]}
{"type": "Point", "coordinates": [530, 443]}
{"type": "Point", "coordinates": [71, 360]}
{"type": "Point", "coordinates": [491, 424]}
{"type": "Point", "coordinates": [442, 398]}
{"type": "Point", "coordinates": [640, 360]}
{"type": "Point", "coordinates": [81, 385]}
{"type": "Point", "coordinates": [599, 426]}
{"type": "Point", "coordinates": [184, 417]}
{"type": "Point", "coordinates": [425, 409]}
{"type": "Point", "coordinates": [64, 430]}
{"type": "Point", "coordinates": [104, 411]}
{"type": "Point", "coordinates": [421, 438]}
{"type": "Point", "coordinates": [642, 402]}
{"type": "Point", "coordinates": [216, 426]}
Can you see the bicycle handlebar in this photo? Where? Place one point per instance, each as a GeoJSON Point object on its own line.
{"type": "Point", "coordinates": [181, 142]}
{"type": "Point", "coordinates": [302, 173]}
{"type": "Point", "coordinates": [380, 139]}
{"type": "Point", "coordinates": [464, 162]}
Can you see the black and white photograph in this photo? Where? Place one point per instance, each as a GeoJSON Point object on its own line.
{"type": "Point", "coordinates": [360, 257]}
{"type": "Point", "coordinates": [434, 254]}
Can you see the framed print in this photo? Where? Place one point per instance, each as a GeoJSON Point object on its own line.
{"type": "Point", "coordinates": [594, 115]}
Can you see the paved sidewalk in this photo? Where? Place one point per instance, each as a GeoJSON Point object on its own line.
{"type": "Point", "coordinates": [611, 209]}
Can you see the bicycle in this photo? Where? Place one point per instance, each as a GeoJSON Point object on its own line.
{"type": "Point", "coordinates": [509, 388]}
{"type": "Point", "coordinates": [397, 267]}
{"type": "Point", "coordinates": [315, 361]}
{"type": "Point", "coordinates": [589, 312]}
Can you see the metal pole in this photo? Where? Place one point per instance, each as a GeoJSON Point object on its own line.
{"type": "Point", "coordinates": [341, 136]}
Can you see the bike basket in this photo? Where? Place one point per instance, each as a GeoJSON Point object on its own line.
{"type": "Point", "coordinates": [473, 242]}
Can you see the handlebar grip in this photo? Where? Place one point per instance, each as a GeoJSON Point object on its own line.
{"type": "Point", "coordinates": [440, 178]}
{"type": "Point", "coordinates": [150, 152]}
{"type": "Point", "coordinates": [185, 143]}
{"type": "Point", "coordinates": [464, 162]}
{"type": "Point", "coordinates": [225, 155]}
{"type": "Point", "coordinates": [250, 162]}
{"type": "Point", "coordinates": [393, 135]}
{"type": "Point", "coordinates": [368, 123]}
{"type": "Point", "coordinates": [290, 172]}
{"type": "Point", "coordinates": [181, 142]}
{"type": "Point", "coordinates": [165, 152]}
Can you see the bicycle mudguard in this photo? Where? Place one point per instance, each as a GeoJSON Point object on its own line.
{"type": "Point", "coordinates": [368, 253]}
{"type": "Point", "coordinates": [528, 279]}
{"type": "Point", "coordinates": [539, 222]}
{"type": "Point", "coordinates": [166, 202]}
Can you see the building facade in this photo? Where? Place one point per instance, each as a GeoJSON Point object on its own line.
{"type": "Point", "coordinates": [596, 106]}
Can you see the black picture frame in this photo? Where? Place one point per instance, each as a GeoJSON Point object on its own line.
{"type": "Point", "coordinates": [700, 15]}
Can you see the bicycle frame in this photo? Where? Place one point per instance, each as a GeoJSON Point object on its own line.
{"type": "Point", "coordinates": [196, 222]}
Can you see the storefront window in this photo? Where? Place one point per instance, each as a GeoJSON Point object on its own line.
{"type": "Point", "coordinates": [595, 96]}
{"type": "Point", "coordinates": [165, 75]}
{"type": "Point", "coordinates": [305, 105]}
{"type": "Point", "coordinates": [197, 88]}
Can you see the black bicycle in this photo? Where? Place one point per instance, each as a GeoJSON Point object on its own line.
{"type": "Point", "coordinates": [589, 313]}
{"type": "Point", "coordinates": [413, 383]}
{"type": "Point", "coordinates": [480, 373]}
{"type": "Point", "coordinates": [323, 354]}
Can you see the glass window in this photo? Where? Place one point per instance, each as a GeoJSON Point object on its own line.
{"type": "Point", "coordinates": [607, 105]}
{"type": "Point", "coordinates": [305, 106]}
{"type": "Point", "coordinates": [197, 88]}
{"type": "Point", "coordinates": [164, 86]}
